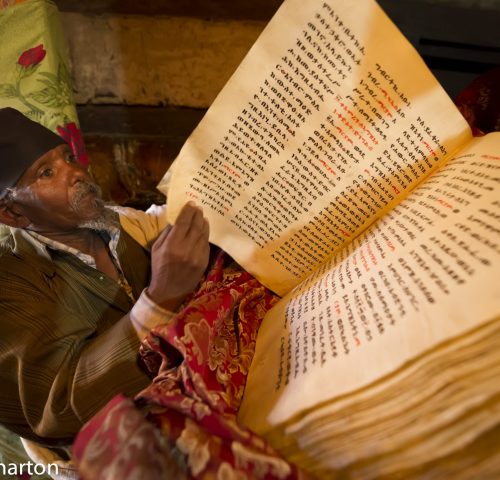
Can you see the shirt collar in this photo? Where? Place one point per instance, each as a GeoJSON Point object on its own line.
{"type": "Point", "coordinates": [44, 244]}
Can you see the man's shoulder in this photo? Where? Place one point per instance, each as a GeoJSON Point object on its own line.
{"type": "Point", "coordinates": [10, 263]}
{"type": "Point", "coordinates": [16, 251]}
{"type": "Point", "coordinates": [4, 231]}
{"type": "Point", "coordinates": [6, 240]}
{"type": "Point", "coordinates": [143, 226]}
{"type": "Point", "coordinates": [154, 211]}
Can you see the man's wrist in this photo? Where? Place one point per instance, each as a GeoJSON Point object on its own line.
{"type": "Point", "coordinates": [170, 304]}
{"type": "Point", "coordinates": [147, 314]}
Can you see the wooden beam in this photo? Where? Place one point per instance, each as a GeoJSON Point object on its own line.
{"type": "Point", "coordinates": [207, 9]}
{"type": "Point", "coordinates": [168, 123]}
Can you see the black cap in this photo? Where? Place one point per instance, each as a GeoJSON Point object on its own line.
{"type": "Point", "coordinates": [22, 141]}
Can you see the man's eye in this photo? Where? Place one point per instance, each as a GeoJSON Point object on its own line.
{"type": "Point", "coordinates": [46, 172]}
{"type": "Point", "coordinates": [71, 158]}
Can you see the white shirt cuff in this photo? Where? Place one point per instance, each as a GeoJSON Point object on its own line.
{"type": "Point", "coordinates": [146, 314]}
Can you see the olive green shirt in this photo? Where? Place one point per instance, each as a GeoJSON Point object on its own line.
{"type": "Point", "coordinates": [67, 344]}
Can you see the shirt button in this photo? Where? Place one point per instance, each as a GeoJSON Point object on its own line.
{"type": "Point", "coordinates": [101, 278]}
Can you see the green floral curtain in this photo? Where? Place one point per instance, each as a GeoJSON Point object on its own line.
{"type": "Point", "coordinates": [34, 73]}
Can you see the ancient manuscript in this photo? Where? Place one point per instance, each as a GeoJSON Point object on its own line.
{"type": "Point", "coordinates": [336, 170]}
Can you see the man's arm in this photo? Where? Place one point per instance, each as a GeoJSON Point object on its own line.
{"type": "Point", "coordinates": [179, 255]}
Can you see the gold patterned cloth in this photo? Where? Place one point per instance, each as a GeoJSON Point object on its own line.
{"type": "Point", "coordinates": [183, 425]}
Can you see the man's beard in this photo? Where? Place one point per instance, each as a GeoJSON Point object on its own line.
{"type": "Point", "coordinates": [101, 217]}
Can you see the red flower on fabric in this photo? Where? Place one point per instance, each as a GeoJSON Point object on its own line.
{"type": "Point", "coordinates": [32, 57]}
{"type": "Point", "coordinates": [72, 135]}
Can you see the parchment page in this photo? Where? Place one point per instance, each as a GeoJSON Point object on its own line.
{"type": "Point", "coordinates": [426, 272]}
{"type": "Point", "coordinates": [329, 121]}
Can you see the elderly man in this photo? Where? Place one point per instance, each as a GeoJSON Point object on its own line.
{"type": "Point", "coordinates": [79, 285]}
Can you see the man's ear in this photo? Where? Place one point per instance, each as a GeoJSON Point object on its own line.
{"type": "Point", "coordinates": [8, 216]}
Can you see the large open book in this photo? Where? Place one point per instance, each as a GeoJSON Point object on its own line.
{"type": "Point", "coordinates": [334, 168]}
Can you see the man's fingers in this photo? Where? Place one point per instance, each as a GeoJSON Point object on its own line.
{"type": "Point", "coordinates": [162, 237]}
{"type": "Point", "coordinates": [198, 221]}
{"type": "Point", "coordinates": [182, 225]}
{"type": "Point", "coordinates": [199, 233]}
{"type": "Point", "coordinates": [189, 233]}
{"type": "Point", "coordinates": [205, 229]}
{"type": "Point", "coordinates": [201, 237]}
{"type": "Point", "coordinates": [184, 221]}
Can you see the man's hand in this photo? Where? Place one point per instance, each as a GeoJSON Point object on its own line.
{"type": "Point", "coordinates": [179, 257]}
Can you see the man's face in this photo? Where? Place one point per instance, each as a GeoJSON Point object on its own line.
{"type": "Point", "coordinates": [57, 194]}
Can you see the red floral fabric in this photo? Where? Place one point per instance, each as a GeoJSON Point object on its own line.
{"type": "Point", "coordinates": [32, 56]}
{"type": "Point", "coordinates": [479, 103]}
{"type": "Point", "coordinates": [184, 424]}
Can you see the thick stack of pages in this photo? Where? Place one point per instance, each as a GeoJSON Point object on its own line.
{"type": "Point", "coordinates": [335, 169]}
{"type": "Point", "coordinates": [437, 415]}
